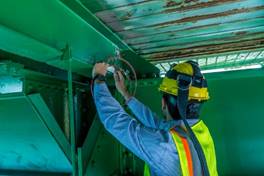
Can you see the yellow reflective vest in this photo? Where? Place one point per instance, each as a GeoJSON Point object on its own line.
{"type": "Point", "coordinates": [204, 137]}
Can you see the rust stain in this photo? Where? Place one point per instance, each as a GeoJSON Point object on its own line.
{"type": "Point", "coordinates": [132, 4]}
{"type": "Point", "coordinates": [188, 1]}
{"type": "Point", "coordinates": [185, 6]}
{"type": "Point", "coordinates": [174, 31]}
{"type": "Point", "coordinates": [172, 3]}
{"type": "Point", "coordinates": [234, 38]}
{"type": "Point", "coordinates": [201, 17]}
{"type": "Point", "coordinates": [105, 7]}
{"type": "Point", "coordinates": [180, 6]}
{"type": "Point", "coordinates": [241, 33]}
{"type": "Point", "coordinates": [208, 49]}
{"type": "Point", "coordinates": [127, 16]}
{"type": "Point", "coordinates": [172, 34]}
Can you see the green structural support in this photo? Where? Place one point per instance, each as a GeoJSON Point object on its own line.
{"type": "Point", "coordinates": [31, 140]}
{"type": "Point", "coordinates": [41, 30]}
{"type": "Point", "coordinates": [142, 66]}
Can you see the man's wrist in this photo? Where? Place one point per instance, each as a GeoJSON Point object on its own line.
{"type": "Point", "coordinates": [126, 95]}
{"type": "Point", "coordinates": [99, 78]}
{"type": "Point", "coordinates": [98, 81]}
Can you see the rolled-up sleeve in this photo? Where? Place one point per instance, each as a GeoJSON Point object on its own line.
{"type": "Point", "coordinates": [141, 140]}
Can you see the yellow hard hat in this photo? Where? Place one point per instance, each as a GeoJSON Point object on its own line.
{"type": "Point", "coordinates": [198, 86]}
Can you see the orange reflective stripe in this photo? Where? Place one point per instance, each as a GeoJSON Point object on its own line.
{"type": "Point", "coordinates": [184, 153]}
{"type": "Point", "coordinates": [204, 137]}
{"type": "Point", "coordinates": [188, 155]}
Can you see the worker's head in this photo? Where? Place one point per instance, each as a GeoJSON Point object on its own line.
{"type": "Point", "coordinates": [197, 89]}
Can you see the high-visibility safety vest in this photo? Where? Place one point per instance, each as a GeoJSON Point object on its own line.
{"type": "Point", "coordinates": [204, 137]}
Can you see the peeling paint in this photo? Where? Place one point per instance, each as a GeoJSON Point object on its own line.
{"type": "Point", "coordinates": [162, 30]}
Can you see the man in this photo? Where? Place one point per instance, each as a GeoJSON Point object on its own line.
{"type": "Point", "coordinates": [179, 145]}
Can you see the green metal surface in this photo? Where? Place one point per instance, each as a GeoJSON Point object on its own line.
{"type": "Point", "coordinates": [30, 139]}
{"type": "Point", "coordinates": [125, 50]}
{"type": "Point", "coordinates": [53, 110]}
{"type": "Point", "coordinates": [56, 25]}
{"type": "Point", "coordinates": [47, 117]}
{"type": "Point", "coordinates": [105, 157]}
{"type": "Point", "coordinates": [235, 133]}
{"type": "Point", "coordinates": [34, 28]}
{"type": "Point", "coordinates": [67, 56]}
{"type": "Point", "coordinates": [86, 150]}
{"type": "Point", "coordinates": [56, 105]}
{"type": "Point", "coordinates": [235, 116]}
{"type": "Point", "coordinates": [165, 30]}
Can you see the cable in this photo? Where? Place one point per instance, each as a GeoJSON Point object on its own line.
{"type": "Point", "coordinates": [182, 102]}
{"type": "Point", "coordinates": [116, 67]}
{"type": "Point", "coordinates": [134, 73]}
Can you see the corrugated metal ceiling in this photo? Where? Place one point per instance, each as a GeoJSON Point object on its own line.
{"type": "Point", "coordinates": [162, 30]}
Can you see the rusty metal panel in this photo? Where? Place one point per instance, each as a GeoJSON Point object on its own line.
{"type": "Point", "coordinates": [171, 29]}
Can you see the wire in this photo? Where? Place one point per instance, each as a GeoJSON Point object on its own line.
{"type": "Point", "coordinates": [134, 73]}
{"type": "Point", "coordinates": [118, 57]}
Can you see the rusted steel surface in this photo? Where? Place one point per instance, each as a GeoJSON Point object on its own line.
{"type": "Point", "coordinates": [198, 31]}
{"type": "Point", "coordinates": [184, 42]}
{"type": "Point", "coordinates": [218, 41]}
{"type": "Point", "coordinates": [169, 29]}
{"type": "Point", "coordinates": [155, 7]}
{"type": "Point", "coordinates": [185, 6]}
{"type": "Point", "coordinates": [230, 20]}
{"type": "Point", "coordinates": [193, 16]}
{"type": "Point", "coordinates": [100, 5]}
{"type": "Point", "coordinates": [207, 50]}
{"type": "Point", "coordinates": [207, 16]}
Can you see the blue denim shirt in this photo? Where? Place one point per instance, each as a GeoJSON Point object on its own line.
{"type": "Point", "coordinates": [148, 137]}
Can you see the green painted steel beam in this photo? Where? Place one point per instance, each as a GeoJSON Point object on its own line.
{"type": "Point", "coordinates": [89, 143]}
{"type": "Point", "coordinates": [23, 45]}
{"type": "Point", "coordinates": [31, 138]}
{"type": "Point", "coordinates": [72, 116]}
{"type": "Point", "coordinates": [141, 65]}
{"type": "Point", "coordinates": [49, 120]}
{"type": "Point", "coordinates": [49, 27]}
{"type": "Point", "coordinates": [91, 19]}
{"type": "Point", "coordinates": [56, 25]}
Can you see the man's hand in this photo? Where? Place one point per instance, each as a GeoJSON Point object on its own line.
{"type": "Point", "coordinates": [100, 69]}
{"type": "Point", "coordinates": [120, 85]}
